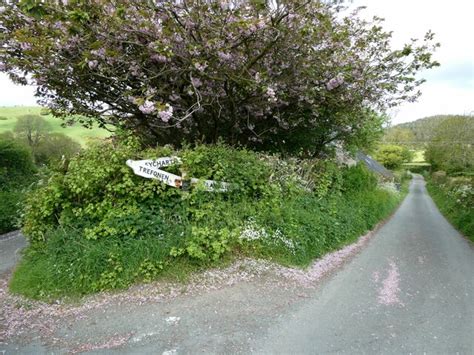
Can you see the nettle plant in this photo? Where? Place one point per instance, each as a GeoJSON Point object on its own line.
{"type": "Point", "coordinates": [281, 75]}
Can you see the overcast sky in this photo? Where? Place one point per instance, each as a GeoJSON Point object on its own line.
{"type": "Point", "coordinates": [449, 88]}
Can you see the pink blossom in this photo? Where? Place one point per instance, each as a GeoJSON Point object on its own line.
{"type": "Point", "coordinates": [196, 82]}
{"type": "Point", "coordinates": [147, 107]}
{"type": "Point", "coordinates": [335, 82]}
{"type": "Point", "coordinates": [166, 115]}
{"type": "Point", "coordinates": [271, 95]}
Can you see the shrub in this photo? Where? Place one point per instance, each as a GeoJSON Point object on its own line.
{"type": "Point", "coordinates": [10, 205]}
{"type": "Point", "coordinates": [392, 156]}
{"type": "Point", "coordinates": [16, 172]}
{"type": "Point", "coordinates": [98, 226]}
{"type": "Point", "coordinates": [55, 147]}
{"type": "Point", "coordinates": [358, 178]}
{"type": "Point", "coordinates": [16, 164]}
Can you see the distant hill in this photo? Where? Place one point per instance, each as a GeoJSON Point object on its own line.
{"type": "Point", "coordinates": [418, 132]}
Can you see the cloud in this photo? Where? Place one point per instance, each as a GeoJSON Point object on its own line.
{"type": "Point", "coordinates": [13, 94]}
{"type": "Point", "coordinates": [449, 88]}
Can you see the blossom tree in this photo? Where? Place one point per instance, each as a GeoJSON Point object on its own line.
{"type": "Point", "coordinates": [286, 75]}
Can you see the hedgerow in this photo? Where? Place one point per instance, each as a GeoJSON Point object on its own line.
{"type": "Point", "coordinates": [17, 171]}
{"type": "Point", "coordinates": [98, 226]}
{"type": "Point", "coordinates": [455, 199]}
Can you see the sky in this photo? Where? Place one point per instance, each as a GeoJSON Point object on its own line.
{"type": "Point", "coordinates": [449, 89]}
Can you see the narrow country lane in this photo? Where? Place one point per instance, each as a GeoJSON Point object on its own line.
{"type": "Point", "coordinates": [410, 291]}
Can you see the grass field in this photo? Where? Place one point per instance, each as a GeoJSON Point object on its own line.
{"type": "Point", "coordinates": [77, 132]}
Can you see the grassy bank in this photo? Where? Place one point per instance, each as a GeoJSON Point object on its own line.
{"type": "Point", "coordinates": [97, 226]}
{"type": "Point", "coordinates": [455, 199]}
{"type": "Point", "coordinates": [9, 115]}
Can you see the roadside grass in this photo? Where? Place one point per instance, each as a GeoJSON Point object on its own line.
{"type": "Point", "coordinates": [457, 205]}
{"type": "Point", "coordinates": [81, 134]}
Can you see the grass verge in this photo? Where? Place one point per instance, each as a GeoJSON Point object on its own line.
{"type": "Point", "coordinates": [456, 205]}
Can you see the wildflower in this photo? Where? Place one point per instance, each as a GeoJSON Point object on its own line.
{"type": "Point", "coordinates": [25, 46]}
{"type": "Point", "coordinates": [92, 64]}
{"type": "Point", "coordinates": [200, 67]}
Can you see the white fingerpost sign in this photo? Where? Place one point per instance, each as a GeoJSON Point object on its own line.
{"type": "Point", "coordinates": [150, 169]}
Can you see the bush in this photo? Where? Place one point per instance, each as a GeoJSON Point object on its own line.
{"type": "Point", "coordinates": [98, 226]}
{"type": "Point", "coordinates": [54, 147]}
{"type": "Point", "coordinates": [392, 156]}
{"type": "Point", "coordinates": [16, 172]}
{"type": "Point", "coordinates": [10, 206]}
{"type": "Point", "coordinates": [16, 165]}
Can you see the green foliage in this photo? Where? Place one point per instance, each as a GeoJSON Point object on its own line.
{"type": "Point", "coordinates": [392, 156]}
{"type": "Point", "coordinates": [10, 206]}
{"type": "Point", "coordinates": [399, 136]}
{"type": "Point", "coordinates": [455, 199]}
{"type": "Point", "coordinates": [17, 171]}
{"type": "Point", "coordinates": [451, 148]}
{"type": "Point", "coordinates": [358, 178]}
{"type": "Point", "coordinates": [422, 131]}
{"type": "Point", "coordinates": [16, 164]}
{"type": "Point", "coordinates": [32, 129]}
{"type": "Point", "coordinates": [54, 148]}
{"type": "Point", "coordinates": [97, 226]}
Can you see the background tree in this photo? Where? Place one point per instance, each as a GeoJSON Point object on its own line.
{"type": "Point", "coordinates": [452, 148]}
{"type": "Point", "coordinates": [280, 75]}
{"type": "Point", "coordinates": [399, 136]}
{"type": "Point", "coordinates": [55, 147]}
{"type": "Point", "coordinates": [392, 156]}
{"type": "Point", "coordinates": [32, 129]}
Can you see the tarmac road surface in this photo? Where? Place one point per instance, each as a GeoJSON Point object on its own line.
{"type": "Point", "coordinates": [410, 291]}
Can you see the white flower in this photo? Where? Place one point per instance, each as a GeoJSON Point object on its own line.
{"type": "Point", "coordinates": [92, 64]}
{"type": "Point", "coordinates": [200, 67]}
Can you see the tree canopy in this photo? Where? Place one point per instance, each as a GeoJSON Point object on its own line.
{"type": "Point", "coordinates": [283, 75]}
{"type": "Point", "coordinates": [452, 147]}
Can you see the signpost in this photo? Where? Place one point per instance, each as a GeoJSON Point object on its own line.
{"type": "Point", "coordinates": [151, 169]}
